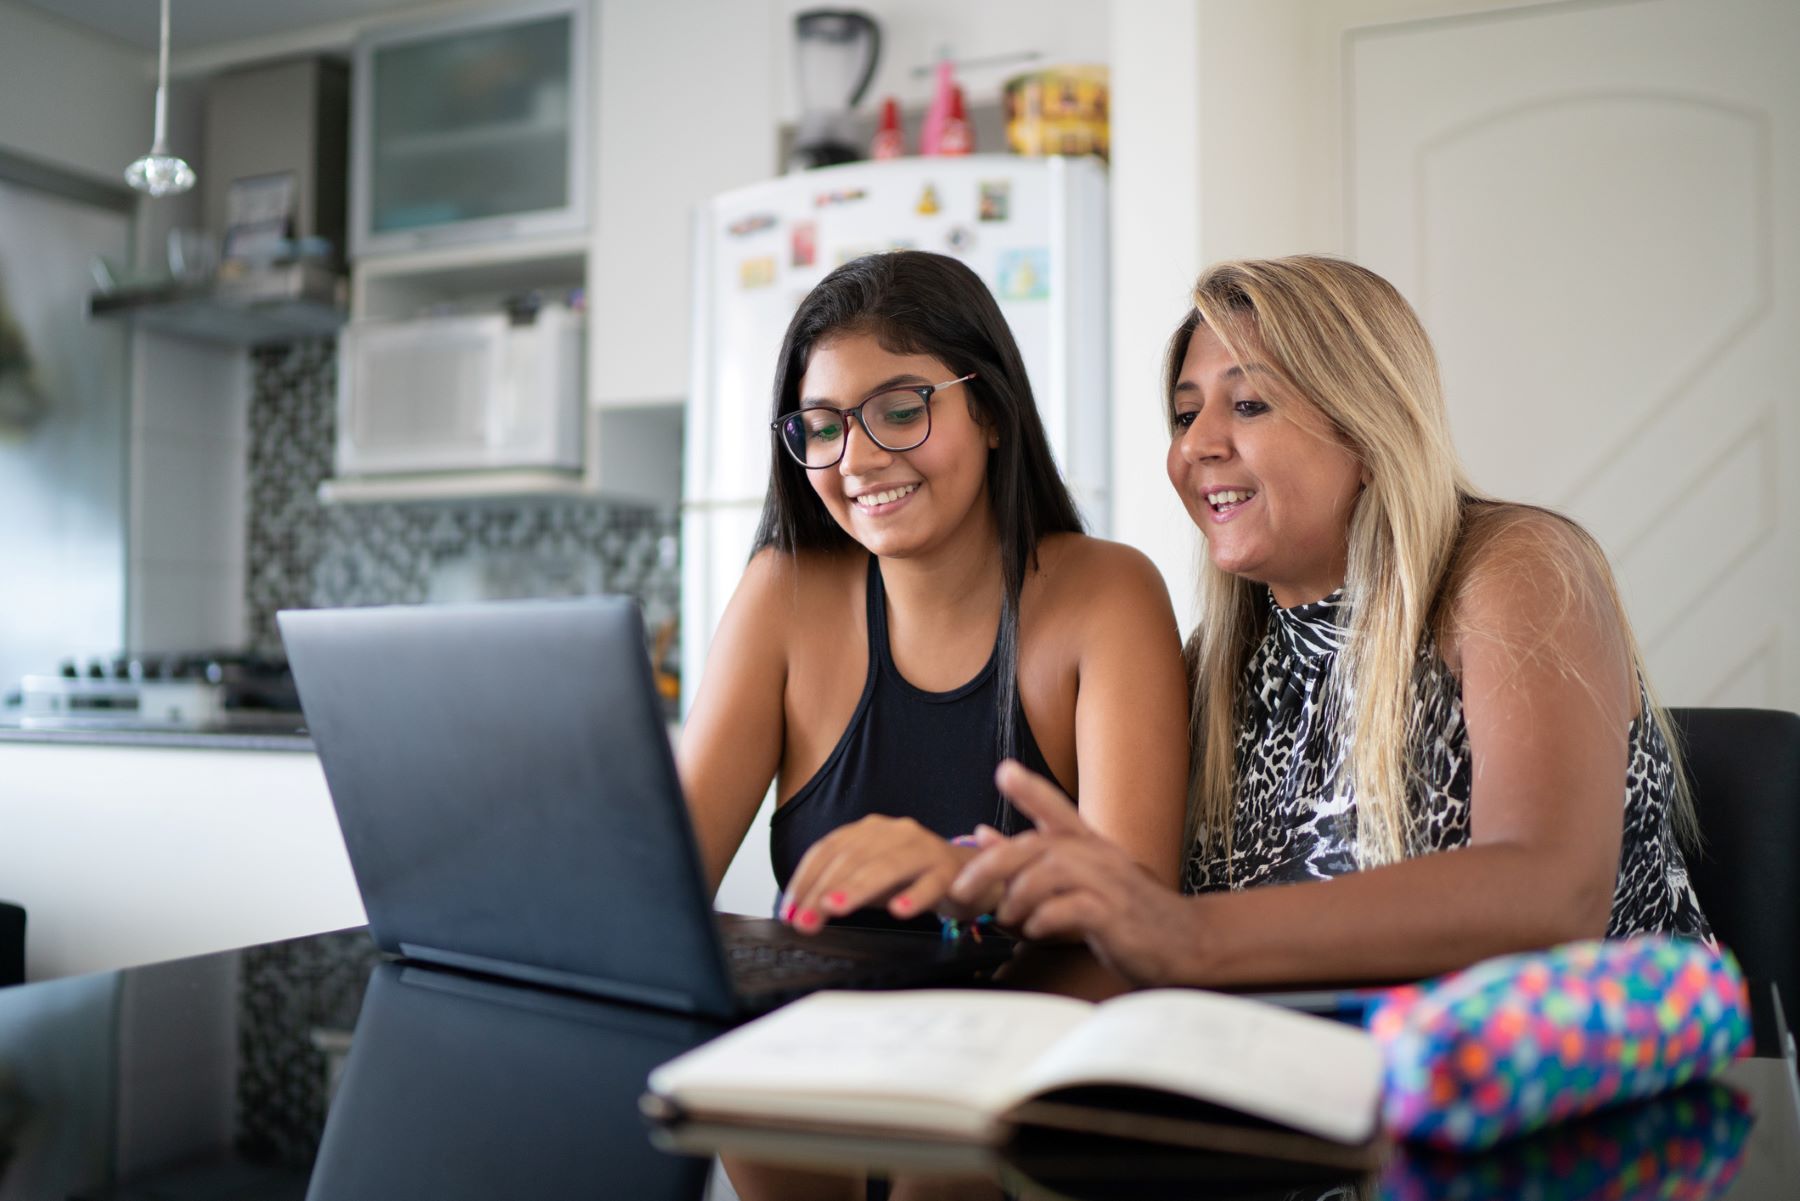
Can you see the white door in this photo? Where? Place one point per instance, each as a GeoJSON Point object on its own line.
{"type": "Point", "coordinates": [1593, 207]}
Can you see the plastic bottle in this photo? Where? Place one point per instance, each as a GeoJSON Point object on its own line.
{"type": "Point", "coordinates": [939, 112]}
{"type": "Point", "coordinates": [957, 136]}
{"type": "Point", "coordinates": [889, 141]}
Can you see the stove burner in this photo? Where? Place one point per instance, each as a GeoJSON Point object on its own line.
{"type": "Point", "coordinates": [188, 690]}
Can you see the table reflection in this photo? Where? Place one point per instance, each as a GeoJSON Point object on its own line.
{"type": "Point", "coordinates": [1684, 1146]}
{"type": "Point", "coordinates": [462, 1087]}
{"type": "Point", "coordinates": [212, 1078]}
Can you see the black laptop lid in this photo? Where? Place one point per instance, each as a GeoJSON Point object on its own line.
{"type": "Point", "coordinates": [508, 799]}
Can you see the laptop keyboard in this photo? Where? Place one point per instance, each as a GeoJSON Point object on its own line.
{"type": "Point", "coordinates": [760, 965]}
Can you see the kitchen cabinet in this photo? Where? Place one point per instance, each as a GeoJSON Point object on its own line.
{"type": "Point", "coordinates": [471, 128]}
{"type": "Point", "coordinates": [677, 117]}
{"type": "Point", "coordinates": [201, 851]}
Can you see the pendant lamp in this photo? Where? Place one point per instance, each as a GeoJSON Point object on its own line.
{"type": "Point", "coordinates": [160, 173]}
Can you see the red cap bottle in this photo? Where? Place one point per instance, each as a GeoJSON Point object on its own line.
{"type": "Point", "coordinates": [958, 136]}
{"type": "Point", "coordinates": [888, 142]}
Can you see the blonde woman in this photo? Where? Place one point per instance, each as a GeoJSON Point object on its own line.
{"type": "Point", "coordinates": [1418, 711]}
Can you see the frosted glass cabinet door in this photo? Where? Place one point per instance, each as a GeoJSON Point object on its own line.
{"type": "Point", "coordinates": [471, 129]}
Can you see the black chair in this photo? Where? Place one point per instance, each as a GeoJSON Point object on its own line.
{"type": "Point", "coordinates": [12, 944]}
{"type": "Point", "coordinates": [1744, 765]}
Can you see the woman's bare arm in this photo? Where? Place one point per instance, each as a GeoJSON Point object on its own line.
{"type": "Point", "coordinates": [1131, 706]}
{"type": "Point", "coordinates": [1548, 693]}
{"type": "Point", "coordinates": [731, 744]}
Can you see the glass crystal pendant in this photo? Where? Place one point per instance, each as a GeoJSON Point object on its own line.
{"type": "Point", "coordinates": [160, 173]}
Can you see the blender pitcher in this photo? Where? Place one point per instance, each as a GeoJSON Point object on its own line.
{"type": "Point", "coordinates": [835, 52]}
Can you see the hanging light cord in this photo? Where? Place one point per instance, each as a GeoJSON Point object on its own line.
{"type": "Point", "coordinates": [159, 144]}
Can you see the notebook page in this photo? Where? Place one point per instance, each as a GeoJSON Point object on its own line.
{"type": "Point", "coordinates": [1316, 1075]}
{"type": "Point", "coordinates": [961, 1045]}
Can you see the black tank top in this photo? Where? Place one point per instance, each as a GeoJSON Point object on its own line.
{"type": "Point", "coordinates": [929, 756]}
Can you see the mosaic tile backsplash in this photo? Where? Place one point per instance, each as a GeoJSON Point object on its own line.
{"type": "Point", "coordinates": [303, 554]}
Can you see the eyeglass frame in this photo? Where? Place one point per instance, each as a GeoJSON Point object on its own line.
{"type": "Point", "coordinates": [926, 393]}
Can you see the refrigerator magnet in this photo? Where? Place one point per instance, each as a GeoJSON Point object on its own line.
{"type": "Point", "coordinates": [928, 202]}
{"type": "Point", "coordinates": [755, 223]}
{"type": "Point", "coordinates": [841, 196]}
{"type": "Point", "coordinates": [993, 201]}
{"type": "Point", "coordinates": [758, 272]}
{"type": "Point", "coordinates": [1025, 274]}
{"type": "Point", "coordinates": [804, 244]}
{"type": "Point", "coordinates": [960, 239]}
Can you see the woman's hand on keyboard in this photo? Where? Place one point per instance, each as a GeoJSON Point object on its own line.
{"type": "Point", "coordinates": [877, 860]}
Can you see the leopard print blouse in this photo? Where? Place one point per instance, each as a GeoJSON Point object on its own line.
{"type": "Point", "coordinates": [1294, 822]}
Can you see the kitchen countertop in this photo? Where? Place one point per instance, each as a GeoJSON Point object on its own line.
{"type": "Point", "coordinates": [223, 740]}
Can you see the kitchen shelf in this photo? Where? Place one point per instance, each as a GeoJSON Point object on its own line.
{"type": "Point", "coordinates": [405, 285]}
{"type": "Point", "coordinates": [289, 302]}
{"type": "Point", "coordinates": [442, 486]}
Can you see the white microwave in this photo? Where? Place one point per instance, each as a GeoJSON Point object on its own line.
{"type": "Point", "coordinates": [460, 393]}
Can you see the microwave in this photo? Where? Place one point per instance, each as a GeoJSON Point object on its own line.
{"type": "Point", "coordinates": [460, 393]}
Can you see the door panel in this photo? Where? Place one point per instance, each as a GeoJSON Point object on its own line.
{"type": "Point", "coordinates": [1584, 216]}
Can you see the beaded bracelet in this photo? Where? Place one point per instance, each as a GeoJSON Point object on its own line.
{"type": "Point", "coordinates": [952, 929]}
{"type": "Point", "coordinates": [955, 931]}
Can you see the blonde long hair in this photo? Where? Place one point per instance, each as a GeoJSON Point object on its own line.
{"type": "Point", "coordinates": [1344, 339]}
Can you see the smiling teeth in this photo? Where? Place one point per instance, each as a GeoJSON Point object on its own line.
{"type": "Point", "coordinates": [1219, 499]}
{"type": "Point", "coordinates": [869, 500]}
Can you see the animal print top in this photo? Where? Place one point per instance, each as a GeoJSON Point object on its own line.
{"type": "Point", "coordinates": [1294, 822]}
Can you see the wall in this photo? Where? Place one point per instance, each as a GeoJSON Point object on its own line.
{"type": "Point", "coordinates": [74, 98]}
{"type": "Point", "coordinates": [684, 109]}
{"type": "Point", "coordinates": [84, 103]}
{"type": "Point", "coordinates": [1403, 133]}
{"type": "Point", "coordinates": [189, 439]}
{"type": "Point", "coordinates": [63, 449]}
{"type": "Point", "coordinates": [1226, 135]}
{"type": "Point", "coordinates": [1156, 131]}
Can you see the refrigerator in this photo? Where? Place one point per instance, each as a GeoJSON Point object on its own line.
{"type": "Point", "coordinates": [1034, 229]}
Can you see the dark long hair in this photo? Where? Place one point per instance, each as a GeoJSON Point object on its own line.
{"type": "Point", "coordinates": [913, 302]}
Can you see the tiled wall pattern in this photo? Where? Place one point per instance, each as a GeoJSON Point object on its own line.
{"type": "Point", "coordinates": [303, 554]}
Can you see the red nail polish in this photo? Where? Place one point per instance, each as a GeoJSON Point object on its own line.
{"type": "Point", "coordinates": [787, 911]}
{"type": "Point", "coordinates": [807, 919]}
{"type": "Point", "coordinates": [835, 900]}
{"type": "Point", "coordinates": [903, 905]}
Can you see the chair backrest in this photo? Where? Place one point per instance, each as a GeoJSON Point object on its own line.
{"type": "Point", "coordinates": [1744, 765]}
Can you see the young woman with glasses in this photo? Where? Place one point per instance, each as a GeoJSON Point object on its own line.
{"type": "Point", "coordinates": [1420, 709]}
{"type": "Point", "coordinates": [922, 604]}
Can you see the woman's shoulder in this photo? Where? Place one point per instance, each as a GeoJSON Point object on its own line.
{"type": "Point", "coordinates": [1525, 574]}
{"type": "Point", "coordinates": [1079, 574]}
{"type": "Point", "coordinates": [1514, 549]}
{"type": "Point", "coordinates": [782, 581]}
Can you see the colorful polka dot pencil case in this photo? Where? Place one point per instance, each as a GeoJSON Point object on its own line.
{"type": "Point", "coordinates": [1523, 1041]}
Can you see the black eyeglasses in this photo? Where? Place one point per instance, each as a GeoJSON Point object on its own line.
{"type": "Point", "coordinates": [896, 419]}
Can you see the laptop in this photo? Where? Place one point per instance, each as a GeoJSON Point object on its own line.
{"type": "Point", "coordinates": [503, 778]}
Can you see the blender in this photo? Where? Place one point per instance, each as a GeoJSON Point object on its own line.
{"type": "Point", "coordinates": [835, 52]}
